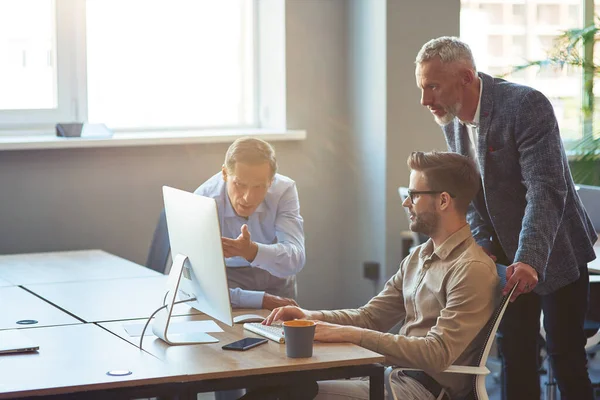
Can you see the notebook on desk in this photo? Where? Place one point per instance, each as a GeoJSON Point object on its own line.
{"type": "Point", "coordinates": [14, 341]}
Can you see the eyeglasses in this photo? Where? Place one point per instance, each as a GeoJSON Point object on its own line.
{"type": "Point", "coordinates": [413, 193]}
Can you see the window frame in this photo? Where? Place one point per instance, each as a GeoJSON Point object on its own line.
{"type": "Point", "coordinates": [268, 95]}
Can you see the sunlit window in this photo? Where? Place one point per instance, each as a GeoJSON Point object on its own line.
{"type": "Point", "coordinates": [130, 64]}
{"type": "Point", "coordinates": [504, 34]}
{"type": "Point", "coordinates": [170, 63]}
{"type": "Point", "coordinates": [27, 55]}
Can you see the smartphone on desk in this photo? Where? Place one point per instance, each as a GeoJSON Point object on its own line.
{"type": "Point", "coordinates": [244, 344]}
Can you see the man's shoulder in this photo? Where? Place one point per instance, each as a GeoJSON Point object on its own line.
{"type": "Point", "coordinates": [212, 187]}
{"type": "Point", "coordinates": [511, 93]}
{"type": "Point", "coordinates": [280, 185]}
{"type": "Point", "coordinates": [473, 258]}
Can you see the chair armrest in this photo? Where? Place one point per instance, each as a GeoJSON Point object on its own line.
{"type": "Point", "coordinates": [457, 369]}
{"type": "Point", "coordinates": [464, 369]}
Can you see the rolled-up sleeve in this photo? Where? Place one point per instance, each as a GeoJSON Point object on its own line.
{"type": "Point", "coordinates": [241, 298]}
{"type": "Point", "coordinates": [286, 257]}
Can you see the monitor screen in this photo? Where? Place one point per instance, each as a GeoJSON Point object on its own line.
{"type": "Point", "coordinates": [194, 232]}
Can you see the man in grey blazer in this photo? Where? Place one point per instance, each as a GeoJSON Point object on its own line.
{"type": "Point", "coordinates": [527, 215]}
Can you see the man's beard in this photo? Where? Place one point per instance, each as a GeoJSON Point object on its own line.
{"type": "Point", "coordinates": [451, 113]}
{"type": "Point", "coordinates": [425, 222]}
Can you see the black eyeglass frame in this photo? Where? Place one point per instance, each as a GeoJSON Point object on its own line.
{"type": "Point", "coordinates": [412, 193]}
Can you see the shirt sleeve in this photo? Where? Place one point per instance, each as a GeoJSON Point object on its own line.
{"type": "Point", "coordinates": [469, 305]}
{"type": "Point", "coordinates": [381, 313]}
{"type": "Point", "coordinates": [286, 257]}
{"type": "Point", "coordinates": [241, 298]}
{"type": "Point", "coordinates": [541, 158]}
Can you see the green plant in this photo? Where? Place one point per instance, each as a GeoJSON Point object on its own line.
{"type": "Point", "coordinates": [575, 48]}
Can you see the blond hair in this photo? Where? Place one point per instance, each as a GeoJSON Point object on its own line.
{"type": "Point", "coordinates": [249, 150]}
{"type": "Point", "coordinates": [448, 172]}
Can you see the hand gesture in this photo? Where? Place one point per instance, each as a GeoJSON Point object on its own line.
{"type": "Point", "coordinates": [522, 275]}
{"type": "Point", "coordinates": [271, 302]}
{"type": "Point", "coordinates": [242, 246]}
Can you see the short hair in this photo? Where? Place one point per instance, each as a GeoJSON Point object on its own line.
{"type": "Point", "coordinates": [249, 150]}
{"type": "Point", "coordinates": [449, 49]}
{"type": "Point", "coordinates": [448, 172]}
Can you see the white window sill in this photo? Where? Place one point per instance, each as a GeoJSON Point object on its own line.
{"type": "Point", "coordinates": [148, 138]}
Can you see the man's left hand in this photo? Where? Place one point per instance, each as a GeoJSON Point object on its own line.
{"type": "Point", "coordinates": [242, 246]}
{"type": "Point", "coordinates": [523, 275]}
{"type": "Point", "coordinates": [333, 333]}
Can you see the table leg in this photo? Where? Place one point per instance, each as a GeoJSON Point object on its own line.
{"type": "Point", "coordinates": [376, 385]}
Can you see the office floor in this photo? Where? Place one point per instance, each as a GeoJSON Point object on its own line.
{"type": "Point", "coordinates": [493, 385]}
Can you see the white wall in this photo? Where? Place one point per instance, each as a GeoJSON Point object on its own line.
{"type": "Point", "coordinates": [347, 169]}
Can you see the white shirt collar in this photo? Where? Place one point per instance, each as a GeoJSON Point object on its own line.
{"type": "Point", "coordinates": [477, 111]}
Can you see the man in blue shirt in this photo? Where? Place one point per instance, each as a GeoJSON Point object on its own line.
{"type": "Point", "coordinates": [263, 235]}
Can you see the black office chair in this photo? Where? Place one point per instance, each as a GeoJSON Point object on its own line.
{"type": "Point", "coordinates": [160, 248]}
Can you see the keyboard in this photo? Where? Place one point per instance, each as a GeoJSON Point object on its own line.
{"type": "Point", "coordinates": [273, 332]}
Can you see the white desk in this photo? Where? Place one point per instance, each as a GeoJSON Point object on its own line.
{"type": "Point", "coordinates": [17, 304]}
{"type": "Point", "coordinates": [68, 266]}
{"type": "Point", "coordinates": [109, 299]}
{"type": "Point", "coordinates": [75, 358]}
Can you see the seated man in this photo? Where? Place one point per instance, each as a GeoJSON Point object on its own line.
{"type": "Point", "coordinates": [445, 291]}
{"type": "Point", "coordinates": [263, 236]}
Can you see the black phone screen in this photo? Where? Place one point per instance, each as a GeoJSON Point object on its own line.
{"type": "Point", "coordinates": [244, 344]}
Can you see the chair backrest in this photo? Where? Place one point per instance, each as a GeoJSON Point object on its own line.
{"type": "Point", "coordinates": [160, 248]}
{"type": "Point", "coordinates": [418, 238]}
{"type": "Point", "coordinates": [492, 325]}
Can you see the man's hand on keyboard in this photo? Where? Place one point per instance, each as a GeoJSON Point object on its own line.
{"type": "Point", "coordinates": [271, 302]}
{"type": "Point", "coordinates": [285, 314]}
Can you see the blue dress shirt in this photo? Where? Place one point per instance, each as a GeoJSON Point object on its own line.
{"type": "Point", "coordinates": [276, 227]}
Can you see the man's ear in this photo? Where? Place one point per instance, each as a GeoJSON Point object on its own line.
{"type": "Point", "coordinates": [444, 201]}
{"type": "Point", "coordinates": [467, 76]}
{"type": "Point", "coordinates": [224, 172]}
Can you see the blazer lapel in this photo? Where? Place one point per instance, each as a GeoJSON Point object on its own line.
{"type": "Point", "coordinates": [485, 117]}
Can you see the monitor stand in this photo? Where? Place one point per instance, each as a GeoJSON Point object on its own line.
{"type": "Point", "coordinates": [160, 326]}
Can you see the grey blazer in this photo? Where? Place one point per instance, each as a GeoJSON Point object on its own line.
{"type": "Point", "coordinates": [528, 204]}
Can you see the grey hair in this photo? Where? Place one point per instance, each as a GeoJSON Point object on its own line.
{"type": "Point", "coordinates": [449, 49]}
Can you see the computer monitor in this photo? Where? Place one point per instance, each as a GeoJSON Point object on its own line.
{"type": "Point", "coordinates": [198, 269]}
{"type": "Point", "coordinates": [590, 197]}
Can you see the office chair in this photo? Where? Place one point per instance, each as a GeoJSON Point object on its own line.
{"type": "Point", "coordinates": [479, 371]}
{"type": "Point", "coordinates": [160, 248]}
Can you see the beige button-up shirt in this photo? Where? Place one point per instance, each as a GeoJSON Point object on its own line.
{"type": "Point", "coordinates": [445, 297]}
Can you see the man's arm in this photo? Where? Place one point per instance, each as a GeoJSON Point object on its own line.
{"type": "Point", "coordinates": [241, 298]}
{"type": "Point", "coordinates": [470, 301]}
{"type": "Point", "coordinates": [481, 230]}
{"type": "Point", "coordinates": [541, 159]}
{"type": "Point", "coordinates": [381, 313]}
{"type": "Point", "coordinates": [286, 257]}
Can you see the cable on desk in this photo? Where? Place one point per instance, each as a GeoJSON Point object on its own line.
{"type": "Point", "coordinates": [157, 310]}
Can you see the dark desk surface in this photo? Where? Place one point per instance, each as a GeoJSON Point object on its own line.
{"type": "Point", "coordinates": [17, 304]}
{"type": "Point", "coordinates": [68, 266]}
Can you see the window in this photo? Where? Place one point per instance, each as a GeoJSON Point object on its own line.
{"type": "Point", "coordinates": [526, 35]}
{"type": "Point", "coordinates": [132, 64]}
